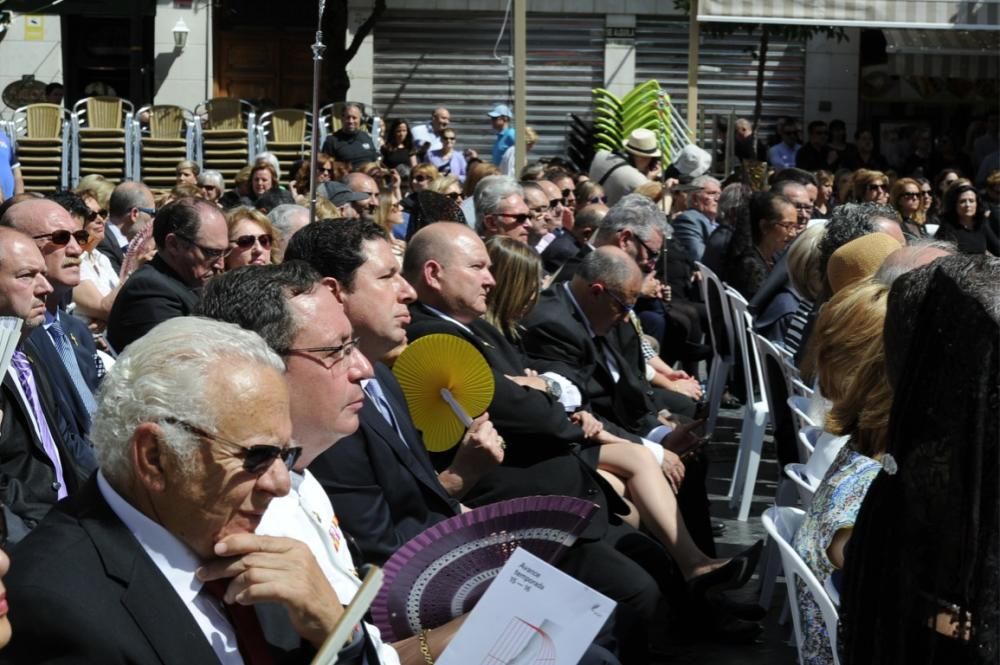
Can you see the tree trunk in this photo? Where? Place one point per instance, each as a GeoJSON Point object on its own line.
{"type": "Point", "coordinates": [338, 53]}
{"type": "Point", "coordinates": [761, 60]}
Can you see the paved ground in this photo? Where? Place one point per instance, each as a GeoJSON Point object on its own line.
{"type": "Point", "coordinates": [773, 648]}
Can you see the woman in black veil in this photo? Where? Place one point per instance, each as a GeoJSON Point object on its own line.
{"type": "Point", "coordinates": [922, 571]}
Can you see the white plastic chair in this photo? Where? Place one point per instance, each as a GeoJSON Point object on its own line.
{"type": "Point", "coordinates": [755, 414]}
{"type": "Point", "coordinates": [781, 523]}
{"type": "Point", "coordinates": [800, 412]}
{"type": "Point", "coordinates": [804, 483]}
{"type": "Point", "coordinates": [807, 437]}
{"type": "Point", "coordinates": [800, 388]}
{"type": "Point", "coordinates": [720, 327]}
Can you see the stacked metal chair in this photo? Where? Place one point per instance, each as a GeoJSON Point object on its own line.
{"type": "Point", "coordinates": [104, 131]}
{"type": "Point", "coordinates": [227, 135]}
{"type": "Point", "coordinates": [167, 137]}
{"type": "Point", "coordinates": [43, 134]}
{"type": "Point", "coordinates": [288, 134]}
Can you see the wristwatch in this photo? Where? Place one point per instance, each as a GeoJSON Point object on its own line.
{"type": "Point", "coordinates": [552, 387]}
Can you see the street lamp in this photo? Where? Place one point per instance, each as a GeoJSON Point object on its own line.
{"type": "Point", "coordinates": [180, 34]}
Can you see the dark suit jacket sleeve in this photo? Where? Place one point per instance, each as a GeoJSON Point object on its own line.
{"type": "Point", "coordinates": [147, 299]}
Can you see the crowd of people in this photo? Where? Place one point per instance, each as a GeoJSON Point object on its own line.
{"type": "Point", "coordinates": [202, 439]}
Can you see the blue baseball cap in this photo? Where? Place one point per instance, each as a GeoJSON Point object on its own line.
{"type": "Point", "coordinates": [501, 110]}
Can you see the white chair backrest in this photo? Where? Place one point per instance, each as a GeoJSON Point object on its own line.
{"type": "Point", "coordinates": [772, 364]}
{"type": "Point", "coordinates": [781, 524]}
{"type": "Point", "coordinates": [800, 409]}
{"type": "Point", "coordinates": [800, 388]}
{"type": "Point", "coordinates": [827, 446]}
{"type": "Point", "coordinates": [806, 438]}
{"type": "Point", "coordinates": [720, 323]}
{"type": "Point", "coordinates": [743, 329]}
{"type": "Point", "coordinates": [804, 484]}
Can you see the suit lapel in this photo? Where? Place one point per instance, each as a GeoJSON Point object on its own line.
{"type": "Point", "coordinates": [154, 606]}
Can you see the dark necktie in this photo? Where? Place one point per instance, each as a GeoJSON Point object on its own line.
{"type": "Point", "coordinates": [22, 366]}
{"type": "Point", "coordinates": [249, 635]}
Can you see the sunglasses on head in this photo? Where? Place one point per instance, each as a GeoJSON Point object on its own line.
{"type": "Point", "coordinates": [94, 214]}
{"type": "Point", "coordinates": [62, 236]}
{"type": "Point", "coordinates": [256, 459]}
{"type": "Point", "coordinates": [246, 242]}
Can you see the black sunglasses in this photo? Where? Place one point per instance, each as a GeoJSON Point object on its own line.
{"type": "Point", "coordinates": [94, 214]}
{"type": "Point", "coordinates": [454, 196]}
{"type": "Point", "coordinates": [520, 218]}
{"type": "Point", "coordinates": [246, 242]}
{"type": "Point", "coordinates": [210, 253]}
{"type": "Point", "coordinates": [256, 459]}
{"type": "Point", "coordinates": [62, 236]}
{"type": "Point", "coordinates": [598, 199]}
{"type": "Point", "coordinates": [555, 203]}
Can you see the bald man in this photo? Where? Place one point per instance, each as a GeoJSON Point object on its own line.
{"type": "Point", "coordinates": [63, 344]}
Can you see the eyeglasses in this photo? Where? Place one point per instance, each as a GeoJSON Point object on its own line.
{"type": "Point", "coordinates": [326, 169]}
{"type": "Point", "coordinates": [624, 306]}
{"type": "Point", "coordinates": [331, 355]}
{"type": "Point", "coordinates": [598, 199]}
{"type": "Point", "coordinates": [246, 242]}
{"type": "Point", "coordinates": [651, 254]}
{"type": "Point", "coordinates": [419, 178]}
{"type": "Point", "coordinates": [148, 211]}
{"type": "Point", "coordinates": [539, 211]}
{"type": "Point", "coordinates": [877, 187]}
{"type": "Point", "coordinates": [555, 203]}
{"type": "Point", "coordinates": [804, 207]}
{"type": "Point", "coordinates": [210, 253]}
{"type": "Point", "coordinates": [94, 214]}
{"type": "Point", "coordinates": [520, 218]}
{"type": "Point", "coordinates": [455, 196]}
{"type": "Point", "coordinates": [926, 192]}
{"type": "Point", "coordinates": [256, 459]}
{"type": "Point", "coordinates": [448, 138]}
{"type": "Point", "coordinates": [788, 225]}
{"type": "Point", "coordinates": [62, 237]}
{"type": "Point", "coordinates": [910, 195]}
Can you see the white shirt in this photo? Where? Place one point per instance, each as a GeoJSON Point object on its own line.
{"type": "Point", "coordinates": [307, 515]}
{"type": "Point", "coordinates": [96, 267]}
{"type": "Point", "coordinates": [178, 564]}
{"type": "Point", "coordinates": [425, 134]}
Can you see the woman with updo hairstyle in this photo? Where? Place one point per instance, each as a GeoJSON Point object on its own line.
{"type": "Point", "coordinates": [963, 221]}
{"type": "Point", "coordinates": [772, 224]}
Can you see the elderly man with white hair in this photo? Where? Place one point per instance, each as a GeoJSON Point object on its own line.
{"type": "Point", "coordinates": [694, 226]}
{"type": "Point", "coordinates": [155, 559]}
{"type": "Point", "coordinates": [287, 219]}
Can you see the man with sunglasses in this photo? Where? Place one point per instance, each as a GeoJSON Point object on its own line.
{"type": "Point", "coordinates": [131, 206]}
{"type": "Point", "coordinates": [63, 344]}
{"type": "Point", "coordinates": [501, 210]}
{"type": "Point", "coordinates": [192, 242]}
{"type": "Point", "coordinates": [195, 441]}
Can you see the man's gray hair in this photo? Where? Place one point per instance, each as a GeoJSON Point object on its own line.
{"type": "Point", "coordinates": [910, 256]}
{"type": "Point", "coordinates": [634, 212]}
{"type": "Point", "coordinates": [614, 269]}
{"type": "Point", "coordinates": [163, 375]}
{"type": "Point", "coordinates": [703, 181]}
{"type": "Point", "coordinates": [848, 222]}
{"type": "Point", "coordinates": [490, 191]}
{"type": "Point", "coordinates": [281, 217]}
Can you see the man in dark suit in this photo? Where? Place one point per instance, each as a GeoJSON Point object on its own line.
{"type": "Point", "coordinates": [381, 478]}
{"type": "Point", "coordinates": [63, 344]}
{"type": "Point", "coordinates": [131, 205]}
{"type": "Point", "coordinates": [146, 562]}
{"type": "Point", "coordinates": [36, 467]}
{"type": "Point", "coordinates": [449, 268]}
{"type": "Point", "coordinates": [570, 243]}
{"type": "Point", "coordinates": [192, 242]}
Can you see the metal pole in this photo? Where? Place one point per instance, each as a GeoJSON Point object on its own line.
{"type": "Point", "coordinates": [520, 97]}
{"type": "Point", "coordinates": [317, 48]}
{"type": "Point", "coordinates": [694, 31]}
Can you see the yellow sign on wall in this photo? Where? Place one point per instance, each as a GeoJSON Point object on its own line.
{"type": "Point", "coordinates": [34, 28]}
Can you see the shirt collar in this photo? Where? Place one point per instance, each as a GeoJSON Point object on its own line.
{"type": "Point", "coordinates": [442, 315]}
{"type": "Point", "coordinates": [172, 558]}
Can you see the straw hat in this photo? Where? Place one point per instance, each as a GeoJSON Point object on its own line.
{"type": "Point", "coordinates": [859, 259]}
{"type": "Point", "coordinates": [642, 143]}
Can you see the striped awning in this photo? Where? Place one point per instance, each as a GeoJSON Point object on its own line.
{"type": "Point", "coordinates": [905, 14]}
{"type": "Point", "coordinates": [971, 54]}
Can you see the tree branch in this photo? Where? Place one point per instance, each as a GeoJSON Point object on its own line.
{"type": "Point", "coordinates": [365, 29]}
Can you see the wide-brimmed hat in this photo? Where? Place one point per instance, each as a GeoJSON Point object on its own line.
{"type": "Point", "coordinates": [501, 110]}
{"type": "Point", "coordinates": [859, 259]}
{"type": "Point", "coordinates": [340, 194]}
{"type": "Point", "coordinates": [693, 161]}
{"type": "Point", "coordinates": [642, 143]}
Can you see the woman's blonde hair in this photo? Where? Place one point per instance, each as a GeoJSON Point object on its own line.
{"type": "Point", "coordinates": [442, 183]}
{"type": "Point", "coordinates": [848, 352]}
{"type": "Point", "coordinates": [97, 187]}
{"type": "Point", "coordinates": [241, 213]}
{"type": "Point", "coordinates": [803, 262]}
{"type": "Point", "coordinates": [518, 268]}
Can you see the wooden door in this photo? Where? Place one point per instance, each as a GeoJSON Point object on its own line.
{"type": "Point", "coordinates": [272, 70]}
